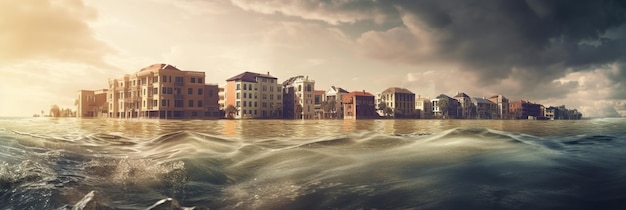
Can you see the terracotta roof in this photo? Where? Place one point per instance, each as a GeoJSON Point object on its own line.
{"type": "Point", "coordinates": [398, 90]}
{"type": "Point", "coordinates": [249, 77]}
{"type": "Point", "coordinates": [319, 92]}
{"type": "Point", "coordinates": [348, 97]}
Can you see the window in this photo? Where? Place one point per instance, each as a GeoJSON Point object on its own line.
{"type": "Point", "coordinates": [199, 103]}
{"type": "Point", "coordinates": [193, 80]}
{"type": "Point", "coordinates": [238, 104]}
{"type": "Point", "coordinates": [250, 87]}
{"type": "Point", "coordinates": [178, 103]}
{"type": "Point", "coordinates": [155, 79]}
{"type": "Point", "coordinates": [199, 80]}
{"type": "Point", "coordinates": [189, 91]}
{"type": "Point", "coordinates": [299, 88]}
{"type": "Point", "coordinates": [244, 95]}
{"type": "Point", "coordinates": [271, 88]}
{"type": "Point", "coordinates": [238, 87]}
{"type": "Point", "coordinates": [190, 103]}
{"type": "Point", "coordinates": [278, 88]}
{"type": "Point", "coordinates": [164, 90]}
{"type": "Point", "coordinates": [271, 96]}
{"type": "Point", "coordinates": [308, 87]}
{"type": "Point", "coordinates": [155, 102]}
{"type": "Point", "coordinates": [264, 87]}
{"type": "Point", "coordinates": [155, 91]}
{"type": "Point", "coordinates": [237, 97]}
{"type": "Point", "coordinates": [164, 78]}
{"type": "Point", "coordinates": [163, 102]}
{"type": "Point", "coordinates": [278, 97]}
{"type": "Point", "coordinates": [244, 104]}
{"type": "Point", "coordinates": [244, 86]}
{"type": "Point", "coordinates": [199, 91]}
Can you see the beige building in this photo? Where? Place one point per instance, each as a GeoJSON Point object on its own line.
{"type": "Point", "coordinates": [92, 103]}
{"type": "Point", "coordinates": [298, 98]}
{"type": "Point", "coordinates": [424, 106]}
{"type": "Point", "coordinates": [254, 95]}
{"type": "Point", "coordinates": [400, 100]}
{"type": "Point", "coordinates": [502, 106]}
{"type": "Point", "coordinates": [334, 95]}
{"type": "Point", "coordinates": [162, 91]}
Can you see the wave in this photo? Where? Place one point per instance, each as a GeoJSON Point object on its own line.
{"type": "Point", "coordinates": [456, 168]}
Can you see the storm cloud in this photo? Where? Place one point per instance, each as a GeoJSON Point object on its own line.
{"type": "Point", "coordinates": [531, 42]}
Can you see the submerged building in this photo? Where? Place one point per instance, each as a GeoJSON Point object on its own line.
{"type": "Point", "coordinates": [162, 91]}
{"type": "Point", "coordinates": [92, 103]}
{"type": "Point", "coordinates": [359, 105]}
{"type": "Point", "coordinates": [299, 98]}
{"type": "Point", "coordinates": [253, 95]}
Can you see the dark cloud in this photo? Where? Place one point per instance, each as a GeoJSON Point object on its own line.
{"type": "Point", "coordinates": [544, 39]}
{"type": "Point", "coordinates": [54, 30]}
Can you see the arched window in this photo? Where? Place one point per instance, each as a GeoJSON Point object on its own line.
{"type": "Point", "coordinates": [299, 87]}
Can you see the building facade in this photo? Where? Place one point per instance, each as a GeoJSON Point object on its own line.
{"type": "Point", "coordinates": [298, 98]}
{"type": "Point", "coordinates": [359, 105]}
{"type": "Point", "coordinates": [162, 91]}
{"type": "Point", "coordinates": [334, 97]}
{"type": "Point", "coordinates": [254, 95]}
{"type": "Point", "coordinates": [319, 97]}
{"type": "Point", "coordinates": [502, 104]}
{"type": "Point", "coordinates": [466, 109]}
{"type": "Point", "coordinates": [400, 100]}
{"type": "Point", "coordinates": [424, 107]}
{"type": "Point", "coordinates": [92, 103]}
{"type": "Point", "coordinates": [484, 109]}
{"type": "Point", "coordinates": [445, 107]}
{"type": "Point", "coordinates": [524, 110]}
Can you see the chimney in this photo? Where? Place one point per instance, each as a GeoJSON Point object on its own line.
{"type": "Point", "coordinates": [268, 73]}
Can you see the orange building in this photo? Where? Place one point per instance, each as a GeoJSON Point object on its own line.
{"type": "Point", "coordinates": [92, 103]}
{"type": "Point", "coordinates": [359, 105]}
{"type": "Point", "coordinates": [162, 91]}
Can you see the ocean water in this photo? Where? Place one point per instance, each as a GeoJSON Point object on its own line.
{"type": "Point", "coordinates": [48, 163]}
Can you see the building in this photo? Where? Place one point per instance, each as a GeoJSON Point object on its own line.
{"type": "Point", "coordinates": [254, 95]}
{"type": "Point", "coordinates": [551, 112]}
{"type": "Point", "coordinates": [524, 110]}
{"type": "Point", "coordinates": [298, 98]}
{"type": "Point", "coordinates": [502, 106]}
{"type": "Point", "coordinates": [162, 91]}
{"type": "Point", "coordinates": [445, 107]}
{"type": "Point", "coordinates": [359, 105]}
{"type": "Point", "coordinates": [424, 107]}
{"type": "Point", "coordinates": [92, 103]}
{"type": "Point", "coordinates": [400, 100]}
{"type": "Point", "coordinates": [466, 109]}
{"type": "Point", "coordinates": [484, 108]}
{"type": "Point", "coordinates": [334, 100]}
{"type": "Point", "coordinates": [319, 97]}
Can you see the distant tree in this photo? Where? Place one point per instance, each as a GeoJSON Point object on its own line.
{"type": "Point", "coordinates": [231, 111]}
{"type": "Point", "coordinates": [41, 113]}
{"type": "Point", "coordinates": [329, 106]}
{"type": "Point", "coordinates": [444, 107]}
{"type": "Point", "coordinates": [55, 111]}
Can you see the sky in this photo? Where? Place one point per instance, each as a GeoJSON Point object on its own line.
{"type": "Point", "coordinates": [548, 52]}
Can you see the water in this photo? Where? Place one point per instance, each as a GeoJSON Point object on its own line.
{"type": "Point", "coordinates": [274, 164]}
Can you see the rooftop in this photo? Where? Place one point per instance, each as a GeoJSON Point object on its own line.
{"type": "Point", "coordinates": [250, 77]}
{"type": "Point", "coordinates": [397, 90]}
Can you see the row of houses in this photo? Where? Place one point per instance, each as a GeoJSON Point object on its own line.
{"type": "Point", "coordinates": [166, 92]}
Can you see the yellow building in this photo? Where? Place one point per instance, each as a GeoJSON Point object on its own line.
{"type": "Point", "coordinates": [162, 91]}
